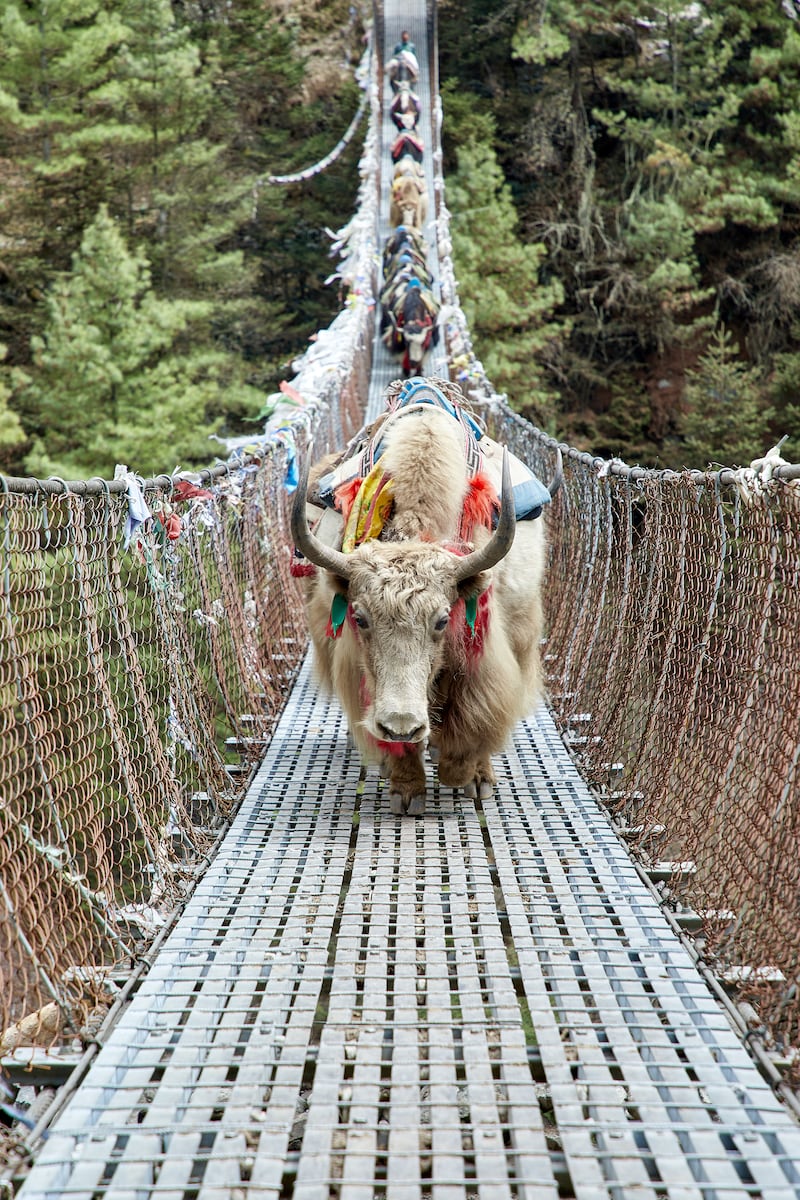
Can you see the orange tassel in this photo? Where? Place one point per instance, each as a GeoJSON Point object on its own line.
{"type": "Point", "coordinates": [345, 495]}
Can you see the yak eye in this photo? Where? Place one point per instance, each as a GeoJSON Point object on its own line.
{"type": "Point", "coordinates": [361, 620]}
{"type": "Point", "coordinates": [441, 623]}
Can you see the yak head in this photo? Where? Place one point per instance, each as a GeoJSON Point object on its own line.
{"type": "Point", "coordinates": [400, 599]}
{"type": "Point", "coordinates": [417, 338]}
{"type": "Point", "coordinates": [417, 324]}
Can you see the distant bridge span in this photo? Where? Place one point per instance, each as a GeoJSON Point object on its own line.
{"type": "Point", "coordinates": [490, 1002]}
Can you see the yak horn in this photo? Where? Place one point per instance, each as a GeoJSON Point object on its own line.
{"type": "Point", "coordinates": [558, 479]}
{"type": "Point", "coordinates": [501, 540]}
{"type": "Point", "coordinates": [306, 542]}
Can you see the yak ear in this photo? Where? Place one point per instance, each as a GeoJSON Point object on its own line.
{"type": "Point", "coordinates": [473, 585]}
{"type": "Point", "coordinates": [339, 584]}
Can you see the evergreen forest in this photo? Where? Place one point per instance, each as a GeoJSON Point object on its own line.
{"type": "Point", "coordinates": [646, 160]}
{"type": "Point", "coordinates": [154, 289]}
{"type": "Point", "coordinates": [622, 180]}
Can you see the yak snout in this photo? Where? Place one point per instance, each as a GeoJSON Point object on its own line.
{"type": "Point", "coordinates": [401, 727]}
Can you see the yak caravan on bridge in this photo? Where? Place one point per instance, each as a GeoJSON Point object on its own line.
{"type": "Point", "coordinates": [409, 307]}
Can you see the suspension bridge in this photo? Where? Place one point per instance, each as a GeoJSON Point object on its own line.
{"type": "Point", "coordinates": [493, 1001]}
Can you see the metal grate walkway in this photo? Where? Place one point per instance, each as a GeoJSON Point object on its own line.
{"type": "Point", "coordinates": [482, 1003]}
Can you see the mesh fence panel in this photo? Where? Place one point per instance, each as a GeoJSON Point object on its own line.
{"type": "Point", "coordinates": [671, 666]}
{"type": "Point", "coordinates": [134, 685]}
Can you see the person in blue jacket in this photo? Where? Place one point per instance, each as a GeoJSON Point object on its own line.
{"type": "Point", "coordinates": [405, 43]}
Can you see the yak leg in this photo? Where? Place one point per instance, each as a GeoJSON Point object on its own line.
{"type": "Point", "coordinates": [406, 784]}
{"type": "Point", "coordinates": [474, 775]}
{"type": "Point", "coordinates": [482, 785]}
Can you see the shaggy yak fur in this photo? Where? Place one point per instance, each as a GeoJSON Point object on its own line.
{"type": "Point", "coordinates": [407, 167]}
{"type": "Point", "coordinates": [406, 108]}
{"type": "Point", "coordinates": [416, 323]}
{"type": "Point", "coordinates": [407, 145]}
{"type": "Point", "coordinates": [404, 67]}
{"type": "Point", "coordinates": [409, 203]}
{"type": "Point", "coordinates": [406, 665]}
{"type": "Point", "coordinates": [400, 241]}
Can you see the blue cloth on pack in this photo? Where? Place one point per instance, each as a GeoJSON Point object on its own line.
{"type": "Point", "coordinates": [529, 497]}
{"type": "Point", "coordinates": [413, 392]}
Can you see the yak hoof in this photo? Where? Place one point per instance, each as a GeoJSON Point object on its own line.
{"type": "Point", "coordinates": [412, 806]}
{"type": "Point", "coordinates": [482, 790]}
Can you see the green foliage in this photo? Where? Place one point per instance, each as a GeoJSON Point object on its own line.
{"type": "Point", "coordinates": [539, 44]}
{"type": "Point", "coordinates": [623, 430]}
{"type": "Point", "coordinates": [465, 118]}
{"type": "Point", "coordinates": [12, 434]}
{"type": "Point", "coordinates": [784, 398]}
{"type": "Point", "coordinates": [180, 197]}
{"type": "Point", "coordinates": [103, 385]}
{"type": "Point", "coordinates": [162, 117]}
{"type": "Point", "coordinates": [728, 420]}
{"type": "Point", "coordinates": [654, 154]}
{"type": "Point", "coordinates": [553, 31]}
{"type": "Point", "coordinates": [658, 237]}
{"type": "Point", "coordinates": [658, 274]}
{"type": "Point", "coordinates": [508, 308]}
{"type": "Point", "coordinates": [56, 59]}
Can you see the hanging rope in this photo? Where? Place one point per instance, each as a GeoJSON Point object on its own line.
{"type": "Point", "coordinates": [362, 77]}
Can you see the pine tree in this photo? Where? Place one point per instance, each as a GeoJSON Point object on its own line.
{"type": "Point", "coordinates": [508, 307]}
{"type": "Point", "coordinates": [111, 103]}
{"type": "Point", "coordinates": [180, 197]}
{"type": "Point", "coordinates": [12, 435]}
{"type": "Point", "coordinates": [52, 51]}
{"type": "Point", "coordinates": [54, 56]}
{"type": "Point", "coordinates": [728, 418]}
{"type": "Point", "coordinates": [109, 381]}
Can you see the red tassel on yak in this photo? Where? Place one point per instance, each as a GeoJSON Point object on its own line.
{"type": "Point", "coordinates": [480, 505]}
{"type": "Point", "coordinates": [300, 567]}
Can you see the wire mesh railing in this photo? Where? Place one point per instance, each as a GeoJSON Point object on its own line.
{"type": "Point", "coordinates": [143, 664]}
{"type": "Point", "coordinates": [124, 672]}
{"type": "Point", "coordinates": [673, 639]}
